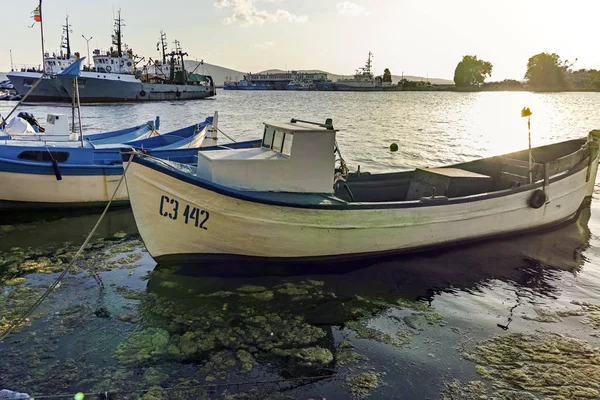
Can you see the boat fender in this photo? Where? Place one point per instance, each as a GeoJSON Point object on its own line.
{"type": "Point", "coordinates": [537, 199]}
{"type": "Point", "coordinates": [109, 68]}
{"type": "Point", "coordinates": [56, 170]}
{"type": "Point", "coordinates": [143, 93]}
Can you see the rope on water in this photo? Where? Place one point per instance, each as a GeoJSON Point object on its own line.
{"type": "Point", "coordinates": [68, 268]}
{"type": "Point", "coordinates": [105, 395]}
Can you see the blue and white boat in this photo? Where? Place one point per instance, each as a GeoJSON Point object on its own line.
{"type": "Point", "coordinates": [80, 174]}
{"type": "Point", "coordinates": [57, 130]}
{"type": "Point", "coordinates": [297, 85]}
{"type": "Point", "coordinates": [246, 85]}
{"type": "Point", "coordinates": [288, 200]}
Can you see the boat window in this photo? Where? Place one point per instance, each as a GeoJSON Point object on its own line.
{"type": "Point", "coordinates": [59, 156]}
{"type": "Point", "coordinates": [287, 144]}
{"type": "Point", "coordinates": [278, 141]}
{"type": "Point", "coordinates": [267, 138]}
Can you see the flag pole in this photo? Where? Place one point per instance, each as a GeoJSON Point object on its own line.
{"type": "Point", "coordinates": [42, 35]}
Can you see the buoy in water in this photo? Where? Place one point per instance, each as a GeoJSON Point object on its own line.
{"type": "Point", "coordinates": [79, 396]}
{"type": "Point", "coordinates": [393, 147]}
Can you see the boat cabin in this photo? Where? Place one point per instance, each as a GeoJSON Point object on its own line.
{"type": "Point", "coordinates": [293, 157]}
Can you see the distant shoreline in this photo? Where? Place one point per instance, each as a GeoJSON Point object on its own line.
{"type": "Point", "coordinates": [442, 88]}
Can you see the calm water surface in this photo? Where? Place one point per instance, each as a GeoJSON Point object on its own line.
{"type": "Point", "coordinates": [518, 316]}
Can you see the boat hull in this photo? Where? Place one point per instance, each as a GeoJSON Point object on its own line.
{"type": "Point", "coordinates": [34, 191]}
{"type": "Point", "coordinates": [344, 87]}
{"type": "Point", "coordinates": [229, 226]}
{"type": "Point", "coordinates": [105, 88]}
{"type": "Point", "coordinates": [49, 89]}
{"type": "Point", "coordinates": [258, 87]}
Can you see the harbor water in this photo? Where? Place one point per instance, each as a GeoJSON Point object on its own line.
{"type": "Point", "coordinates": [513, 318]}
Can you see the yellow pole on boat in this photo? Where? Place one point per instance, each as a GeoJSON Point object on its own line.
{"type": "Point", "coordinates": [526, 112]}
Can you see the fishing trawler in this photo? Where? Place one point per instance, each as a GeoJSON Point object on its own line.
{"type": "Point", "coordinates": [115, 77]}
{"type": "Point", "coordinates": [363, 81]}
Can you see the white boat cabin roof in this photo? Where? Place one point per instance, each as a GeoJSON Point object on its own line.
{"type": "Point", "coordinates": [293, 157]}
{"type": "Point", "coordinates": [294, 127]}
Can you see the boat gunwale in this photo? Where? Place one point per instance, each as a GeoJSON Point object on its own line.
{"type": "Point", "coordinates": [263, 197]}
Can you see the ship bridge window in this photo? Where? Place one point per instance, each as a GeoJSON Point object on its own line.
{"type": "Point", "coordinates": [280, 142]}
{"type": "Point", "coordinates": [267, 139]}
{"type": "Point", "coordinates": [287, 144]}
{"type": "Point", "coordinates": [59, 156]}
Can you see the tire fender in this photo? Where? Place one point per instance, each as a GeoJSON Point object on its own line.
{"type": "Point", "coordinates": [538, 199]}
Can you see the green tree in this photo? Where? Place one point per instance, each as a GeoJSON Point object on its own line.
{"type": "Point", "coordinates": [471, 71]}
{"type": "Point", "coordinates": [387, 75]}
{"type": "Point", "coordinates": [546, 71]}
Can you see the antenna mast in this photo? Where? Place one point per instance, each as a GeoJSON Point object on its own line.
{"type": "Point", "coordinates": [66, 44]}
{"type": "Point", "coordinates": [117, 37]}
{"type": "Point", "coordinates": [163, 46]}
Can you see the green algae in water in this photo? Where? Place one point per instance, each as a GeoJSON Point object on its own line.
{"type": "Point", "coordinates": [362, 385]}
{"type": "Point", "coordinates": [142, 346]}
{"type": "Point", "coordinates": [474, 390]}
{"type": "Point", "coordinates": [14, 304]}
{"type": "Point", "coordinates": [14, 281]}
{"type": "Point", "coordinates": [545, 316]}
{"type": "Point", "coordinates": [591, 312]}
{"type": "Point", "coordinates": [308, 357]}
{"type": "Point", "coordinates": [347, 356]}
{"type": "Point", "coordinates": [364, 332]}
{"type": "Point", "coordinates": [552, 365]}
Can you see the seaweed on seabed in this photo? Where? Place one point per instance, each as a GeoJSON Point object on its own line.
{"type": "Point", "coordinates": [548, 364]}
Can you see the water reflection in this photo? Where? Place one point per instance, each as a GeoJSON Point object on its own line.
{"type": "Point", "coordinates": [251, 331]}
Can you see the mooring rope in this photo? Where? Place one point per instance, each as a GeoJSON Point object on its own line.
{"type": "Point", "coordinates": [227, 136]}
{"type": "Point", "coordinates": [71, 264]}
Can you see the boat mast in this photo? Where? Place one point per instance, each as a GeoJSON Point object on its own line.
{"type": "Point", "coordinates": [67, 42]}
{"type": "Point", "coordinates": [163, 46]}
{"type": "Point", "coordinates": [117, 39]}
{"type": "Point", "coordinates": [368, 64]}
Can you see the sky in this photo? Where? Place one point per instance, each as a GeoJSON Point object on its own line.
{"type": "Point", "coordinates": [414, 37]}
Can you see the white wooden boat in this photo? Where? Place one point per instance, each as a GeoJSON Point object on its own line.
{"type": "Point", "coordinates": [285, 201]}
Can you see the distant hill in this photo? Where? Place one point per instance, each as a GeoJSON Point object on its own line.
{"type": "Point", "coordinates": [220, 74]}
{"type": "Point", "coordinates": [3, 76]}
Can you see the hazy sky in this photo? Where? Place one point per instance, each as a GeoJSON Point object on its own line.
{"type": "Point", "coordinates": [418, 37]}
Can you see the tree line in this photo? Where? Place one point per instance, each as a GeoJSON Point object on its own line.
{"type": "Point", "coordinates": [545, 72]}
